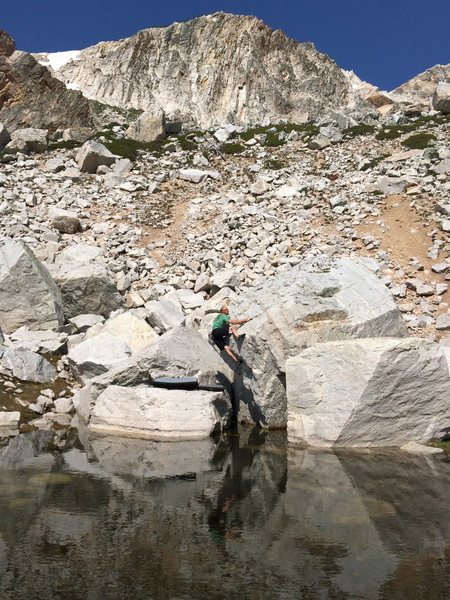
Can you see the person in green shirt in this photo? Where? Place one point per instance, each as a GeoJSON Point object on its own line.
{"type": "Point", "coordinates": [221, 328]}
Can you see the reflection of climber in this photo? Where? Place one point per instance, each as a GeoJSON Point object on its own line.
{"type": "Point", "coordinates": [221, 328]}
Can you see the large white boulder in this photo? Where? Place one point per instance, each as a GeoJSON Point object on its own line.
{"type": "Point", "coordinates": [28, 295]}
{"type": "Point", "coordinates": [148, 128]}
{"type": "Point", "coordinates": [181, 352]}
{"type": "Point", "coordinates": [85, 282]}
{"type": "Point", "coordinates": [155, 413]}
{"type": "Point", "coordinates": [316, 301]}
{"type": "Point", "coordinates": [97, 355]}
{"type": "Point", "coordinates": [368, 392]}
{"type": "Point", "coordinates": [135, 332]}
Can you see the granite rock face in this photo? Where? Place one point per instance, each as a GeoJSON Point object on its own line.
{"type": "Point", "coordinates": [422, 87]}
{"type": "Point", "coordinates": [28, 295]}
{"type": "Point", "coordinates": [31, 97]}
{"type": "Point", "coordinates": [315, 301]}
{"type": "Point", "coordinates": [198, 72]}
{"type": "Point", "coordinates": [368, 392]}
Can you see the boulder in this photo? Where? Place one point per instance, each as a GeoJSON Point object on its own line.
{"type": "Point", "coordinates": [85, 282]}
{"type": "Point", "coordinates": [27, 366]}
{"type": "Point", "coordinates": [92, 154]}
{"type": "Point", "coordinates": [441, 98]}
{"type": "Point", "coordinates": [317, 300]}
{"type": "Point", "coordinates": [85, 322]}
{"type": "Point", "coordinates": [9, 419]}
{"type": "Point", "coordinates": [27, 140]}
{"type": "Point", "coordinates": [97, 355]}
{"type": "Point", "coordinates": [392, 185]}
{"type": "Point", "coordinates": [159, 414]}
{"type": "Point", "coordinates": [148, 128]}
{"type": "Point", "coordinates": [67, 224]}
{"type": "Point", "coordinates": [225, 278]}
{"type": "Point", "coordinates": [196, 175]}
{"type": "Point", "coordinates": [181, 352]}
{"type": "Point", "coordinates": [65, 221]}
{"type": "Point", "coordinates": [368, 392]}
{"type": "Point", "coordinates": [134, 331]}
{"type": "Point", "coordinates": [44, 342]}
{"type": "Point", "coordinates": [319, 142]}
{"type": "Point", "coordinates": [164, 314]}
{"type": "Point", "coordinates": [28, 295]}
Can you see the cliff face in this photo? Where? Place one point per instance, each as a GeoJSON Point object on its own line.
{"type": "Point", "coordinates": [31, 97]}
{"type": "Point", "coordinates": [213, 69]}
{"type": "Point", "coordinates": [422, 87]}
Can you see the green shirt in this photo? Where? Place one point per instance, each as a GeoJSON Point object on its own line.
{"type": "Point", "coordinates": [220, 321]}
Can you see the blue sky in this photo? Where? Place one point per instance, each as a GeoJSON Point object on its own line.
{"type": "Point", "coordinates": [386, 42]}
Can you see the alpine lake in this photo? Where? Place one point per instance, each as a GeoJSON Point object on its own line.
{"type": "Point", "coordinates": [244, 517]}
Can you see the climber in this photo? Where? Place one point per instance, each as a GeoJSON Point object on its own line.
{"type": "Point", "coordinates": [221, 328]}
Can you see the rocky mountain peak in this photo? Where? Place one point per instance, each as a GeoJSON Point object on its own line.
{"type": "Point", "coordinates": [211, 70]}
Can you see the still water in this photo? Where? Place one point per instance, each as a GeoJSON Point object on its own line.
{"type": "Point", "coordinates": [245, 518]}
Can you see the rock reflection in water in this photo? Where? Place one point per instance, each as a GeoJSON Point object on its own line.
{"type": "Point", "coordinates": [239, 518]}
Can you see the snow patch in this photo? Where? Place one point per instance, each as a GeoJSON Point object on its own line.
{"type": "Point", "coordinates": [58, 59]}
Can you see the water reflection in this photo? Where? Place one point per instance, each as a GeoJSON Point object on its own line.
{"type": "Point", "coordinates": [241, 517]}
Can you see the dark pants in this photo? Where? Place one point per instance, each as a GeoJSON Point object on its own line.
{"type": "Point", "coordinates": [221, 336]}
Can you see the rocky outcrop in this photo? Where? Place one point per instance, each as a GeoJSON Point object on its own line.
{"type": "Point", "coordinates": [28, 295]}
{"type": "Point", "coordinates": [315, 301]}
{"type": "Point", "coordinates": [7, 44]}
{"type": "Point", "coordinates": [368, 392]}
{"type": "Point", "coordinates": [422, 87]}
{"type": "Point", "coordinates": [181, 352]}
{"type": "Point", "coordinates": [214, 69]}
{"type": "Point", "coordinates": [441, 98]}
{"type": "Point", "coordinates": [31, 97]}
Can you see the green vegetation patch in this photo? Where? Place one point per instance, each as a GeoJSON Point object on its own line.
{"type": "Point", "coordinates": [419, 141]}
{"type": "Point", "coordinates": [187, 141]}
{"type": "Point", "coordinates": [391, 132]}
{"type": "Point", "coordinates": [445, 446]}
{"type": "Point", "coordinates": [128, 148]}
{"type": "Point", "coordinates": [232, 148]}
{"type": "Point", "coordinates": [362, 129]}
{"type": "Point", "coordinates": [275, 164]}
{"type": "Point", "coordinates": [375, 161]}
{"type": "Point", "coordinates": [130, 114]}
{"type": "Point", "coordinates": [69, 145]}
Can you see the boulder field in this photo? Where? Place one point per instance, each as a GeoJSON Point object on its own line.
{"type": "Point", "coordinates": [326, 354]}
